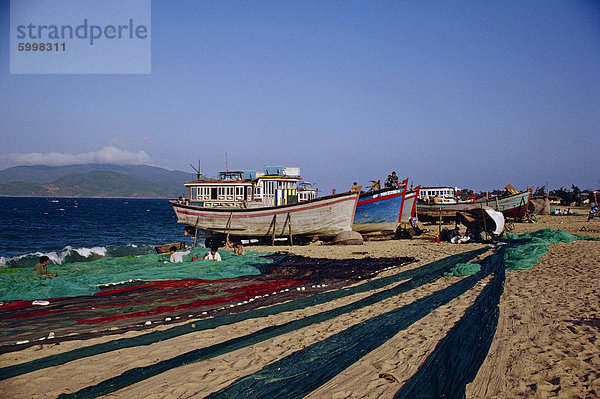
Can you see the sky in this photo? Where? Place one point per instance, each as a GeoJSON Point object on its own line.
{"type": "Point", "coordinates": [467, 94]}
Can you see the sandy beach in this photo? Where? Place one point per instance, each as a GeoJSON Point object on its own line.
{"type": "Point", "coordinates": [545, 343]}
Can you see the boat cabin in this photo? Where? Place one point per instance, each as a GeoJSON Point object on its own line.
{"type": "Point", "coordinates": [246, 189]}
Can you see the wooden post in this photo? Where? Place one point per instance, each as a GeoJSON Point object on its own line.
{"type": "Point", "coordinates": [274, 226]}
{"type": "Point", "coordinates": [228, 226]}
{"type": "Point", "coordinates": [484, 223]}
{"type": "Point", "coordinates": [289, 219]}
{"type": "Point", "coordinates": [440, 224]}
{"type": "Point", "coordinates": [196, 230]}
{"type": "Point", "coordinates": [519, 217]}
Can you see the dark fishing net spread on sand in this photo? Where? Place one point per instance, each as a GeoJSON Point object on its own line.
{"type": "Point", "coordinates": [139, 305]}
{"type": "Point", "coordinates": [308, 282]}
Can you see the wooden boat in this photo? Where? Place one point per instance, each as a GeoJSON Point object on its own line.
{"type": "Point", "coordinates": [511, 206]}
{"type": "Point", "coordinates": [165, 248]}
{"type": "Point", "coordinates": [383, 210]}
{"type": "Point", "coordinates": [325, 216]}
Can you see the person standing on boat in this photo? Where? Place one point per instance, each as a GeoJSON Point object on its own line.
{"type": "Point", "coordinates": [41, 269]}
{"type": "Point", "coordinates": [354, 188]}
{"type": "Point", "coordinates": [177, 257]}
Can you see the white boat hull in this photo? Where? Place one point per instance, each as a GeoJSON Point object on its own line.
{"type": "Point", "coordinates": [325, 216]}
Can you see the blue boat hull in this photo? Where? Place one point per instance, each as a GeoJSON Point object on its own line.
{"type": "Point", "coordinates": [383, 210]}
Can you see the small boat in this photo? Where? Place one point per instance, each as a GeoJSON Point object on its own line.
{"type": "Point", "coordinates": [165, 248]}
{"type": "Point", "coordinates": [324, 217]}
{"type": "Point", "coordinates": [512, 206]}
{"type": "Point", "coordinates": [385, 209]}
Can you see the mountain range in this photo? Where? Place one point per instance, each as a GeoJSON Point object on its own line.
{"type": "Point", "coordinates": [93, 180]}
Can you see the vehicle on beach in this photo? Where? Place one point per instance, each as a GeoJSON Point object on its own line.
{"type": "Point", "coordinates": [442, 195]}
{"type": "Point", "coordinates": [385, 210]}
{"type": "Point", "coordinates": [306, 191]}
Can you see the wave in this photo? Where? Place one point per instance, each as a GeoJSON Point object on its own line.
{"type": "Point", "coordinates": [69, 254]}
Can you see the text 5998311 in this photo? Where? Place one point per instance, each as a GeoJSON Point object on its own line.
{"type": "Point", "coordinates": [42, 47]}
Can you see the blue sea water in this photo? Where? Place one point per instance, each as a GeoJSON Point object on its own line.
{"type": "Point", "coordinates": [72, 229]}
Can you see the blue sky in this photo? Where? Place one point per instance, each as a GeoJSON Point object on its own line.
{"type": "Point", "coordinates": [465, 93]}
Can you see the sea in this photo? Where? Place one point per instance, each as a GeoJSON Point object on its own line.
{"type": "Point", "coordinates": [82, 229]}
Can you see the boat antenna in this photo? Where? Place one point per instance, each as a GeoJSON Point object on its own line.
{"type": "Point", "coordinates": [197, 170]}
{"type": "Point", "coordinates": [226, 165]}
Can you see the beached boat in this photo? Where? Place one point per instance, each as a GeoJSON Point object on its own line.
{"type": "Point", "coordinates": [325, 216]}
{"type": "Point", "coordinates": [384, 210]}
{"type": "Point", "coordinates": [512, 206]}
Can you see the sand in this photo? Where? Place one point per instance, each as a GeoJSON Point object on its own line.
{"type": "Point", "coordinates": [546, 343]}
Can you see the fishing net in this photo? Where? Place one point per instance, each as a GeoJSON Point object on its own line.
{"type": "Point", "coordinates": [84, 278]}
{"type": "Point", "coordinates": [305, 370]}
{"type": "Point", "coordinates": [463, 269]}
{"type": "Point", "coordinates": [525, 250]}
{"type": "Point", "coordinates": [289, 301]}
{"type": "Point", "coordinates": [445, 373]}
{"type": "Point", "coordinates": [322, 360]}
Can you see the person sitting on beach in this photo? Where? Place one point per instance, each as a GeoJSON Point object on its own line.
{"type": "Point", "coordinates": [212, 255]}
{"type": "Point", "coordinates": [177, 257]}
{"type": "Point", "coordinates": [41, 269]}
{"type": "Point", "coordinates": [239, 249]}
{"type": "Point", "coordinates": [456, 238]}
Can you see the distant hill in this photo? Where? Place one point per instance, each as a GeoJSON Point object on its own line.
{"type": "Point", "coordinates": [93, 180]}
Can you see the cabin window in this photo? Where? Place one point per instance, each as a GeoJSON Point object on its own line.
{"type": "Point", "coordinates": [213, 193]}
{"type": "Point", "coordinates": [270, 188]}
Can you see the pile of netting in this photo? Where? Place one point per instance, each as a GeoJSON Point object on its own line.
{"type": "Point", "coordinates": [84, 278]}
{"type": "Point", "coordinates": [463, 269]}
{"type": "Point", "coordinates": [524, 250]}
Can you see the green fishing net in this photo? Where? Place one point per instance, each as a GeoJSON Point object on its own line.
{"type": "Point", "coordinates": [525, 250]}
{"type": "Point", "coordinates": [83, 278]}
{"type": "Point", "coordinates": [463, 269]}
